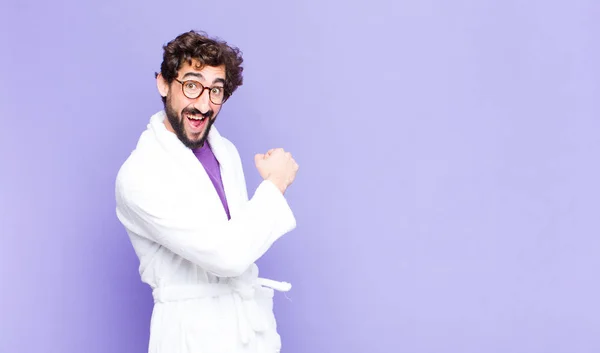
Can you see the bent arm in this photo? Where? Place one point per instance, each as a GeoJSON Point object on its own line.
{"type": "Point", "coordinates": [225, 248]}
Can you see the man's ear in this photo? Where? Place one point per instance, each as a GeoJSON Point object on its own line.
{"type": "Point", "coordinates": [162, 85]}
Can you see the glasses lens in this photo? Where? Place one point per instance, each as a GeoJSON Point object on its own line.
{"type": "Point", "coordinates": [217, 94]}
{"type": "Point", "coordinates": [192, 89]}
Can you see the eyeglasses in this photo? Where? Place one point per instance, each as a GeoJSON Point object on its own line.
{"type": "Point", "coordinates": [194, 89]}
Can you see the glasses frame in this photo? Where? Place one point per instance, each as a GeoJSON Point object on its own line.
{"type": "Point", "coordinates": [225, 95]}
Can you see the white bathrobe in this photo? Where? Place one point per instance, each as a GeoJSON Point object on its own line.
{"type": "Point", "coordinates": [200, 265]}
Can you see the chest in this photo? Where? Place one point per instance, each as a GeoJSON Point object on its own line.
{"type": "Point", "coordinates": [205, 185]}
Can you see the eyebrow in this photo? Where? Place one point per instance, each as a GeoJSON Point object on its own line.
{"type": "Point", "coordinates": [199, 75]}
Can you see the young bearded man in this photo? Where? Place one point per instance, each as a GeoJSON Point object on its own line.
{"type": "Point", "coordinates": [181, 196]}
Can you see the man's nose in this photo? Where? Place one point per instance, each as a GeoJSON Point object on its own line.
{"type": "Point", "coordinates": [202, 103]}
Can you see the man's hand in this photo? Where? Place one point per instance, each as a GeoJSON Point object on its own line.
{"type": "Point", "coordinates": [277, 166]}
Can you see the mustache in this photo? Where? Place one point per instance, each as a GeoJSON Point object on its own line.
{"type": "Point", "coordinates": [194, 111]}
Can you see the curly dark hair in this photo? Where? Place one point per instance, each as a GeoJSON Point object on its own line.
{"type": "Point", "coordinates": [207, 51]}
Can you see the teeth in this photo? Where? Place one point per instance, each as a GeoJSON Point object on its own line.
{"type": "Point", "coordinates": [194, 117]}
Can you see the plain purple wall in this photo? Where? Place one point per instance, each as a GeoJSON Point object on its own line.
{"type": "Point", "coordinates": [448, 194]}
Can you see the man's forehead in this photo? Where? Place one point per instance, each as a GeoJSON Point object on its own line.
{"type": "Point", "coordinates": [203, 70]}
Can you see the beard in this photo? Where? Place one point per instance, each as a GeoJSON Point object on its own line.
{"type": "Point", "coordinates": [179, 125]}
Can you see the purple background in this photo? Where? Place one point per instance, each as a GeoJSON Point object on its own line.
{"type": "Point", "coordinates": [448, 193]}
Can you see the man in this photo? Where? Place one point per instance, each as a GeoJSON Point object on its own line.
{"type": "Point", "coordinates": [181, 195]}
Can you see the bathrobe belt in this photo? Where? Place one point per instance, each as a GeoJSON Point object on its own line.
{"type": "Point", "coordinates": [250, 318]}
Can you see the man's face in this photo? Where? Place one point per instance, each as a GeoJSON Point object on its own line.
{"type": "Point", "coordinates": [191, 119]}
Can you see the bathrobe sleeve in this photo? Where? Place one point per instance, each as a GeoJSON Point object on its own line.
{"type": "Point", "coordinates": [225, 248]}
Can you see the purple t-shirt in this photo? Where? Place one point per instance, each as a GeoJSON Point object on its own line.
{"type": "Point", "coordinates": [211, 165]}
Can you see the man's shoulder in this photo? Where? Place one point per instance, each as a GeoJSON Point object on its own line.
{"type": "Point", "coordinates": [229, 145]}
{"type": "Point", "coordinates": [226, 144]}
{"type": "Point", "coordinates": [140, 165]}
{"type": "Point", "coordinates": [131, 171]}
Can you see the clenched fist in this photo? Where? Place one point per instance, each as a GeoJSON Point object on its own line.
{"type": "Point", "coordinates": [277, 166]}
